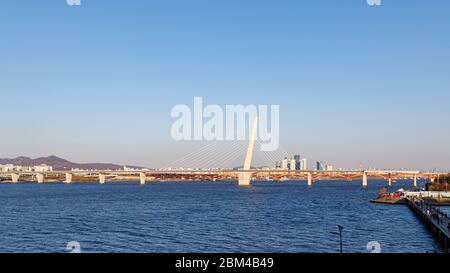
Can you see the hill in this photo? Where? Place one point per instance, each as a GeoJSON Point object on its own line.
{"type": "Point", "coordinates": [59, 163]}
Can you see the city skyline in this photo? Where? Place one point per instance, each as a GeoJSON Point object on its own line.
{"type": "Point", "coordinates": [357, 85]}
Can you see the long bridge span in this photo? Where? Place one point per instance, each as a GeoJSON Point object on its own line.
{"type": "Point", "coordinates": [142, 176]}
{"type": "Point", "coordinates": [244, 176]}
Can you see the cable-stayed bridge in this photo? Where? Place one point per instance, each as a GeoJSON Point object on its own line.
{"type": "Point", "coordinates": [142, 176]}
{"type": "Point", "coordinates": [223, 161]}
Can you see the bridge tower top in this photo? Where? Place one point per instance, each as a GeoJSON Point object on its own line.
{"type": "Point", "coordinates": [245, 178]}
{"type": "Point", "coordinates": [251, 146]}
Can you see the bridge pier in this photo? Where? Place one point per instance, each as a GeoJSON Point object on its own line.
{"type": "Point", "coordinates": [364, 180]}
{"type": "Point", "coordinates": [245, 179]}
{"type": "Point", "coordinates": [309, 180]}
{"type": "Point", "coordinates": [69, 177]}
{"type": "Point", "coordinates": [390, 181]}
{"type": "Point", "coordinates": [415, 181]}
{"type": "Point", "coordinates": [40, 178]}
{"type": "Point", "coordinates": [15, 177]}
{"type": "Point", "coordinates": [142, 179]}
{"type": "Point", "coordinates": [101, 179]}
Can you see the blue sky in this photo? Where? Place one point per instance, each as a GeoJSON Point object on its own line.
{"type": "Point", "coordinates": [357, 85]}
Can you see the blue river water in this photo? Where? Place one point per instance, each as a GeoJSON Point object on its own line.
{"type": "Point", "coordinates": [206, 217]}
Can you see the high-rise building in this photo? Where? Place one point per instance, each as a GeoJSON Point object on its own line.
{"type": "Point", "coordinates": [297, 162]}
{"type": "Point", "coordinates": [285, 163]}
{"type": "Point", "coordinates": [329, 167]}
{"type": "Point", "coordinates": [320, 166]}
{"type": "Point", "coordinates": [303, 166]}
{"type": "Point", "coordinates": [293, 165]}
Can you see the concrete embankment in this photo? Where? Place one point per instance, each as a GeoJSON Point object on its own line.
{"type": "Point", "coordinates": [437, 221]}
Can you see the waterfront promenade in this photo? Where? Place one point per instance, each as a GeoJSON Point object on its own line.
{"type": "Point", "coordinates": [437, 221]}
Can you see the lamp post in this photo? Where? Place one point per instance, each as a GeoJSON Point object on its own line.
{"type": "Point", "coordinates": [340, 229]}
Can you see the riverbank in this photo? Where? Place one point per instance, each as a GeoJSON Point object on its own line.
{"type": "Point", "coordinates": [399, 198]}
{"type": "Point", "coordinates": [389, 200]}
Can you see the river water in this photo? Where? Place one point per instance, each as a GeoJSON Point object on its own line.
{"type": "Point", "coordinates": [205, 217]}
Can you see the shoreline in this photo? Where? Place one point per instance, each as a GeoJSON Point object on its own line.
{"type": "Point", "coordinates": [434, 198]}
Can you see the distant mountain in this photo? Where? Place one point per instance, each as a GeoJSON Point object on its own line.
{"type": "Point", "coordinates": [59, 163]}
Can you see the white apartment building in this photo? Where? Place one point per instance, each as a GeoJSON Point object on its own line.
{"type": "Point", "coordinates": [7, 168]}
{"type": "Point", "coordinates": [303, 165]}
{"type": "Point", "coordinates": [292, 165]}
{"type": "Point", "coordinates": [285, 164]}
{"type": "Point", "coordinates": [13, 168]}
{"type": "Point", "coordinates": [43, 168]}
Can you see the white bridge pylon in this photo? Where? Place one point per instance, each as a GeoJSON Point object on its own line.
{"type": "Point", "coordinates": [245, 177]}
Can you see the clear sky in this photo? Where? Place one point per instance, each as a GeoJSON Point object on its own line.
{"type": "Point", "coordinates": [357, 85]}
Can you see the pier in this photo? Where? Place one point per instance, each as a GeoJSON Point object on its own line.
{"type": "Point", "coordinates": [437, 221]}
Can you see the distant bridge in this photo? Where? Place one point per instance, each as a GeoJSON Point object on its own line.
{"type": "Point", "coordinates": [244, 175]}
{"type": "Point", "coordinates": [216, 175]}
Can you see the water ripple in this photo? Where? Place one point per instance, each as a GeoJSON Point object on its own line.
{"type": "Point", "coordinates": [204, 217]}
